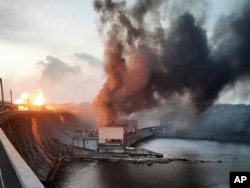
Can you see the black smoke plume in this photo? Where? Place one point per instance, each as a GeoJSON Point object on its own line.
{"type": "Point", "coordinates": [147, 63]}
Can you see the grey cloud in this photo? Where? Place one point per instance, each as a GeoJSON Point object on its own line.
{"type": "Point", "coordinates": [54, 68]}
{"type": "Point", "coordinates": [93, 61]}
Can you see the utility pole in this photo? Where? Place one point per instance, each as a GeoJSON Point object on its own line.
{"type": "Point", "coordinates": [11, 100]}
{"type": "Point", "coordinates": [1, 82]}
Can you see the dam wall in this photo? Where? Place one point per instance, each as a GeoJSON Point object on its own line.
{"type": "Point", "coordinates": [43, 139]}
{"type": "Point", "coordinates": [132, 138]}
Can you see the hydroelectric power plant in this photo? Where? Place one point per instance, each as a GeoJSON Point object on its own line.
{"type": "Point", "coordinates": [45, 139]}
{"type": "Point", "coordinates": [36, 142]}
{"type": "Point", "coordinates": [34, 145]}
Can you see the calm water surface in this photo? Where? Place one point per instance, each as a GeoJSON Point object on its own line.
{"type": "Point", "coordinates": [234, 157]}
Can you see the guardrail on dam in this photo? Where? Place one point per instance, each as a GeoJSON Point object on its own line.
{"type": "Point", "coordinates": [14, 172]}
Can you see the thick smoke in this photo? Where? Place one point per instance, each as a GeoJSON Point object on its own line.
{"type": "Point", "coordinates": [147, 64]}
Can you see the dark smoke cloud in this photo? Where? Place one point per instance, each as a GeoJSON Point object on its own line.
{"type": "Point", "coordinates": [93, 61]}
{"type": "Point", "coordinates": [146, 63]}
{"type": "Point", "coordinates": [55, 69]}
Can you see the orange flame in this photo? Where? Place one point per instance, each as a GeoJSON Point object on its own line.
{"type": "Point", "coordinates": [28, 101]}
{"type": "Point", "coordinates": [39, 100]}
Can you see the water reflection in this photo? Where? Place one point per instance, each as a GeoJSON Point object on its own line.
{"type": "Point", "coordinates": [235, 157]}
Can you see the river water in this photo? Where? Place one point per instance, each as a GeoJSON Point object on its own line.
{"type": "Point", "coordinates": [178, 174]}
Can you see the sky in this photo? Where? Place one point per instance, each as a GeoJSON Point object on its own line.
{"type": "Point", "coordinates": [35, 35]}
{"type": "Point", "coordinates": [55, 46]}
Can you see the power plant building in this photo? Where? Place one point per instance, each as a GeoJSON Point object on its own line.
{"type": "Point", "coordinates": [111, 135]}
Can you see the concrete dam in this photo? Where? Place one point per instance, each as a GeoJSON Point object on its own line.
{"type": "Point", "coordinates": [43, 139]}
{"type": "Point", "coordinates": [46, 139]}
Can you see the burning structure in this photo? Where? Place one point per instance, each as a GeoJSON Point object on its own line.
{"type": "Point", "coordinates": [113, 139]}
{"type": "Point", "coordinates": [25, 101]}
{"type": "Point", "coordinates": [111, 135]}
{"type": "Point", "coordinates": [150, 59]}
{"type": "Point", "coordinates": [31, 101]}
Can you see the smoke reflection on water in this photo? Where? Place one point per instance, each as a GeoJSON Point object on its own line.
{"type": "Point", "coordinates": [234, 157]}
